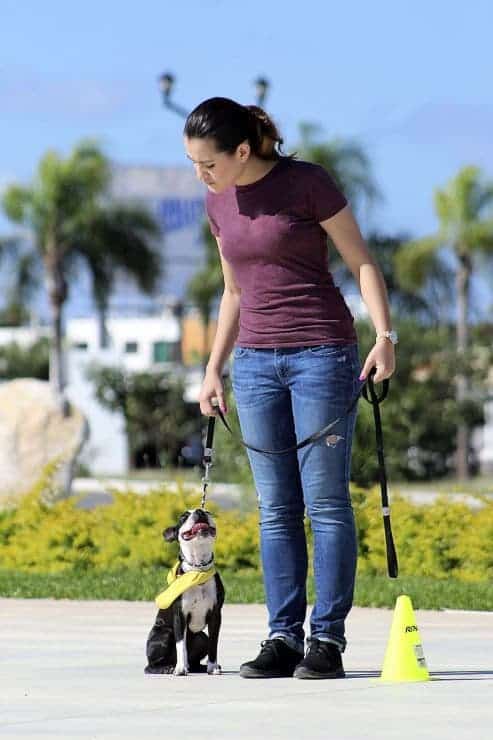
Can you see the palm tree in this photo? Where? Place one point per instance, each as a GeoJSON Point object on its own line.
{"type": "Point", "coordinates": [346, 161]}
{"type": "Point", "coordinates": [67, 210]}
{"type": "Point", "coordinates": [464, 210]}
{"type": "Point", "coordinates": [206, 286]}
{"type": "Point", "coordinates": [120, 238]}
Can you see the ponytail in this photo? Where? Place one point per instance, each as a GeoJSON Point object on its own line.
{"type": "Point", "coordinates": [266, 140]}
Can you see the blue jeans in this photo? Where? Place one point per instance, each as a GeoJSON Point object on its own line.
{"type": "Point", "coordinates": [283, 396]}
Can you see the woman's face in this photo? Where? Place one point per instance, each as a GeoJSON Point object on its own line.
{"type": "Point", "coordinates": [218, 170]}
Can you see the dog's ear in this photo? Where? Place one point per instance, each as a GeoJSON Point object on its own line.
{"type": "Point", "coordinates": [170, 534]}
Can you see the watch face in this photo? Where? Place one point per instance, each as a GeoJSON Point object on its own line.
{"type": "Point", "coordinates": [393, 337]}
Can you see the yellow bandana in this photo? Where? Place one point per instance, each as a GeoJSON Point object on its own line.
{"type": "Point", "coordinates": [180, 584]}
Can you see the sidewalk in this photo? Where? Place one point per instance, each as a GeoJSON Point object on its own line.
{"type": "Point", "coordinates": [74, 670]}
{"type": "Point", "coordinates": [97, 491]}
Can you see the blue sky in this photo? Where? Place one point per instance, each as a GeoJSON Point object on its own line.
{"type": "Point", "coordinates": [411, 80]}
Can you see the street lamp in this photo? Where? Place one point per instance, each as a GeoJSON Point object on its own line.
{"type": "Point", "coordinates": [167, 83]}
{"type": "Point", "coordinates": [261, 88]}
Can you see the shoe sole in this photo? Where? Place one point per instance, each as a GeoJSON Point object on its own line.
{"type": "Point", "coordinates": [252, 673]}
{"type": "Point", "coordinates": [305, 673]}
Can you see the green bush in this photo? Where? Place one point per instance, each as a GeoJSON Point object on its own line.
{"type": "Point", "coordinates": [444, 539]}
{"type": "Point", "coordinates": [22, 362]}
{"type": "Point", "coordinates": [441, 540]}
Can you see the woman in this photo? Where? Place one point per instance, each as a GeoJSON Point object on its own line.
{"type": "Point", "coordinates": [295, 367]}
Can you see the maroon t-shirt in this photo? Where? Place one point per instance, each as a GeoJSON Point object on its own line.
{"type": "Point", "coordinates": [271, 236]}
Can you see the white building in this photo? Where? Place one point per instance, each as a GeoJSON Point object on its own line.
{"type": "Point", "coordinates": [176, 199]}
{"type": "Point", "coordinates": [136, 343]}
{"type": "Point", "coordinates": [24, 336]}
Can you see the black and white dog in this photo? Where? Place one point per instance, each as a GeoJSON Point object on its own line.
{"type": "Point", "coordinates": [176, 644]}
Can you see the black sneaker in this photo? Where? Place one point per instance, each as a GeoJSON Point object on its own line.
{"type": "Point", "coordinates": [275, 660]}
{"type": "Point", "coordinates": [322, 660]}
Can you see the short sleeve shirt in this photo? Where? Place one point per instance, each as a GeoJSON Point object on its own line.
{"type": "Point", "coordinates": [270, 234]}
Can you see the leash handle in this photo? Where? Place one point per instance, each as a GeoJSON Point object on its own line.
{"type": "Point", "coordinates": [370, 386]}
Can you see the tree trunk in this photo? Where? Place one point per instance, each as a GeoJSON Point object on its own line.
{"type": "Point", "coordinates": [57, 364]}
{"type": "Point", "coordinates": [57, 289]}
{"type": "Point", "coordinates": [104, 339]}
{"type": "Point", "coordinates": [462, 386]}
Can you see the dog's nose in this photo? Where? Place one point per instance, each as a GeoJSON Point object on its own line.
{"type": "Point", "coordinates": [199, 515]}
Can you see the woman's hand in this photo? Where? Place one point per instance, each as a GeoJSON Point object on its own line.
{"type": "Point", "coordinates": [382, 357]}
{"type": "Point", "coordinates": [212, 390]}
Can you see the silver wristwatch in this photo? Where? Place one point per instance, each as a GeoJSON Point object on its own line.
{"type": "Point", "coordinates": [390, 335]}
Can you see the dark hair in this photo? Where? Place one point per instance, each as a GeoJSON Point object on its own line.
{"type": "Point", "coordinates": [229, 123]}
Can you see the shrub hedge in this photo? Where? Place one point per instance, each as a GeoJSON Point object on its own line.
{"type": "Point", "coordinates": [444, 539]}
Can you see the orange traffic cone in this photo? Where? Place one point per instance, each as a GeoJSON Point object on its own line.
{"type": "Point", "coordinates": [404, 658]}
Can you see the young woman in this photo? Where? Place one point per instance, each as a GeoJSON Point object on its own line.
{"type": "Point", "coordinates": [295, 367]}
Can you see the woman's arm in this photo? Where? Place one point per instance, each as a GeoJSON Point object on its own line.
{"type": "Point", "coordinates": [346, 236]}
{"type": "Point", "coordinates": [226, 333]}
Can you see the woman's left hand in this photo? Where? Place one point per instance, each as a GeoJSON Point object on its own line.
{"type": "Point", "coordinates": [381, 357]}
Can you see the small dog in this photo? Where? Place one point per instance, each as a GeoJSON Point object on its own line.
{"type": "Point", "coordinates": [176, 644]}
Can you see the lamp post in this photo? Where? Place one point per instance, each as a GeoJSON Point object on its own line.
{"type": "Point", "coordinates": [167, 83]}
{"type": "Point", "coordinates": [261, 89]}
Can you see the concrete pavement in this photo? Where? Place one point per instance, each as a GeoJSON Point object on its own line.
{"type": "Point", "coordinates": [75, 670]}
{"type": "Point", "coordinates": [94, 492]}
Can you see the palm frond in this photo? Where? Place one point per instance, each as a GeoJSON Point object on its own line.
{"type": "Point", "coordinates": [479, 236]}
{"type": "Point", "coordinates": [16, 203]}
{"type": "Point", "coordinates": [346, 161]}
{"type": "Point", "coordinates": [416, 259]}
{"type": "Point", "coordinates": [121, 236]}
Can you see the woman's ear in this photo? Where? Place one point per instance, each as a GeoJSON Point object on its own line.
{"type": "Point", "coordinates": [243, 151]}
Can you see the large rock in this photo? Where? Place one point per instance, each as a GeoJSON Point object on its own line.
{"type": "Point", "coordinates": [33, 433]}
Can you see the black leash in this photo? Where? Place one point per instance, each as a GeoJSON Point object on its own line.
{"type": "Point", "coordinates": [375, 401]}
{"type": "Point", "coordinates": [392, 564]}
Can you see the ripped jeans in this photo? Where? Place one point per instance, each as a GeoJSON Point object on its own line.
{"type": "Point", "coordinates": [283, 396]}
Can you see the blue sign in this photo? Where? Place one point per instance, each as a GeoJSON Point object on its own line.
{"type": "Point", "coordinates": [178, 213]}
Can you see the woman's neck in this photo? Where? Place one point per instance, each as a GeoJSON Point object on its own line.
{"type": "Point", "coordinates": [256, 169]}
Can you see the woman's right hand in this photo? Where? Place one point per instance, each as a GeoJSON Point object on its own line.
{"type": "Point", "coordinates": [212, 390]}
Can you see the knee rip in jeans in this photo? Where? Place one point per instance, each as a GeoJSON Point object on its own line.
{"type": "Point", "coordinates": [332, 439]}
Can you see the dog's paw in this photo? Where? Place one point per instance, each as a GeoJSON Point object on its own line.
{"type": "Point", "coordinates": [214, 669]}
{"type": "Point", "coordinates": [180, 671]}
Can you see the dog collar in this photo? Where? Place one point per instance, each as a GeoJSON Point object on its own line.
{"type": "Point", "coordinates": [204, 565]}
{"type": "Point", "coordinates": [178, 584]}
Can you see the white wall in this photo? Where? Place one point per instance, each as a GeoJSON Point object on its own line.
{"type": "Point", "coordinates": [106, 452]}
{"type": "Point", "coordinates": [483, 440]}
{"type": "Point", "coordinates": [144, 331]}
{"type": "Point", "coordinates": [24, 336]}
